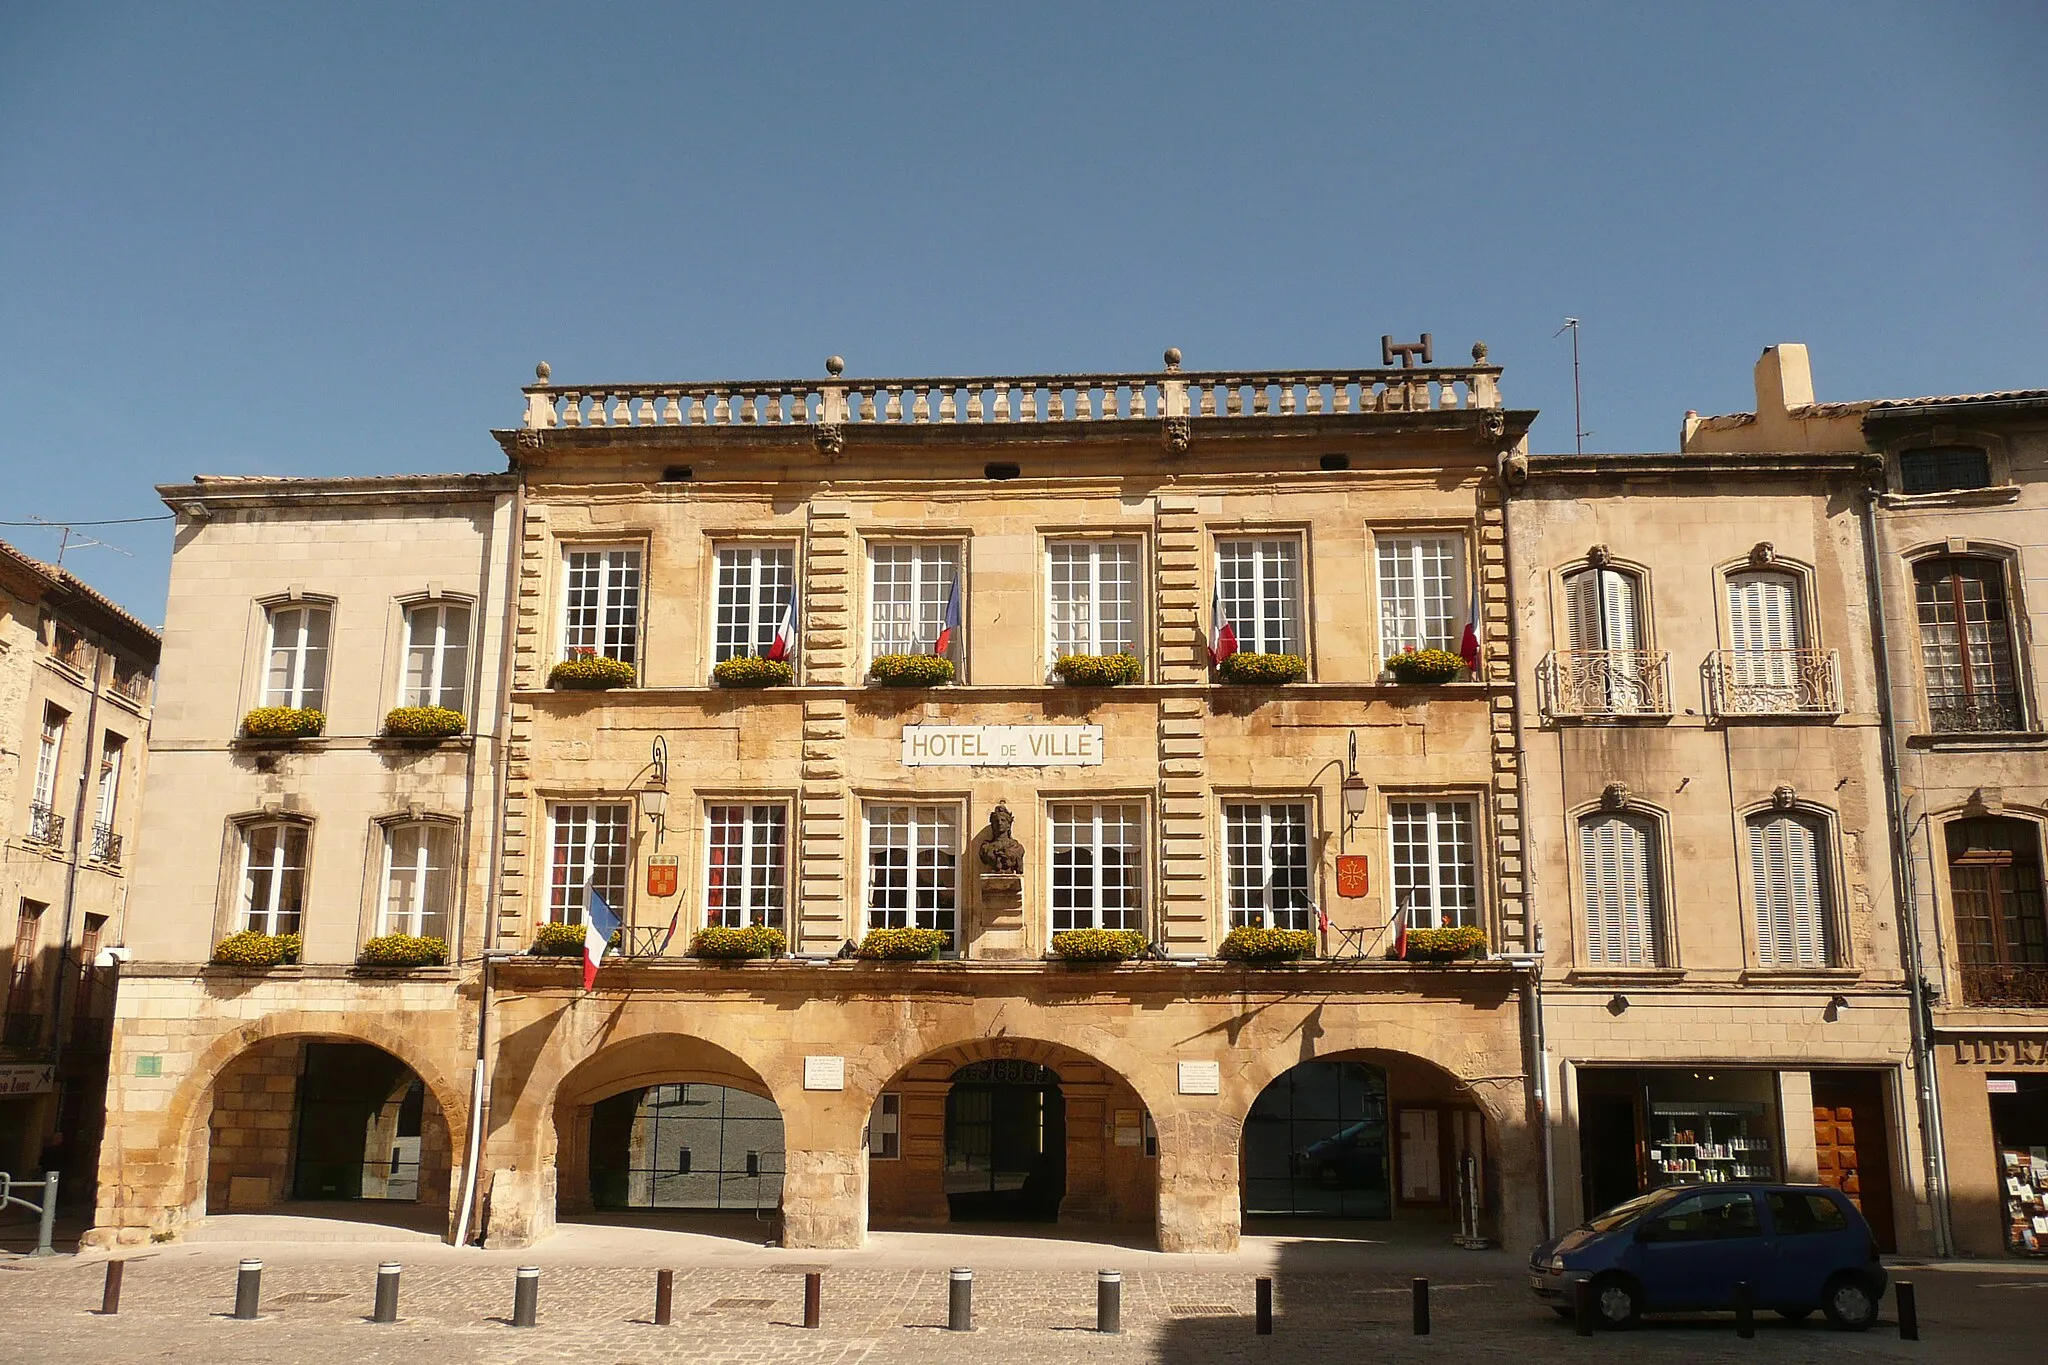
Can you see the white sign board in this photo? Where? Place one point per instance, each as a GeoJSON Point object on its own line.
{"type": "Point", "coordinates": [1993, 1085]}
{"type": "Point", "coordinates": [1001, 746]}
{"type": "Point", "coordinates": [1201, 1078]}
{"type": "Point", "coordinates": [32, 1078]}
{"type": "Point", "coordinates": [824, 1073]}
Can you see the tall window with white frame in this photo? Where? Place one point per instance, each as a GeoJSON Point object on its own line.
{"type": "Point", "coordinates": [418, 870]}
{"type": "Point", "coordinates": [106, 843]}
{"type": "Point", "coordinates": [44, 823]}
{"type": "Point", "coordinates": [746, 864]}
{"type": "Point", "coordinates": [1097, 865]}
{"type": "Point", "coordinates": [296, 674]}
{"type": "Point", "coordinates": [273, 877]}
{"type": "Point", "coordinates": [908, 586]}
{"type": "Point", "coordinates": [587, 851]}
{"type": "Point", "coordinates": [601, 602]}
{"type": "Point", "coordinates": [1093, 590]}
{"type": "Point", "coordinates": [1423, 601]}
{"type": "Point", "coordinates": [1620, 890]}
{"type": "Point", "coordinates": [1966, 645]}
{"type": "Point", "coordinates": [437, 655]}
{"type": "Point", "coordinates": [755, 583]}
{"type": "Point", "coordinates": [1267, 845]}
{"type": "Point", "coordinates": [913, 867]}
{"type": "Point", "coordinates": [1435, 863]}
{"type": "Point", "coordinates": [1259, 579]}
{"type": "Point", "coordinates": [1789, 889]}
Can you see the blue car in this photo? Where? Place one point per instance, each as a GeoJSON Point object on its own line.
{"type": "Point", "coordinates": [1684, 1248]}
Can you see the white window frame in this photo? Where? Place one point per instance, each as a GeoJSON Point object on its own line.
{"type": "Point", "coordinates": [1436, 820]}
{"type": "Point", "coordinates": [430, 893]}
{"type": "Point", "coordinates": [1267, 602]}
{"type": "Point", "coordinates": [284, 863]}
{"type": "Point", "coordinates": [1423, 587]}
{"type": "Point", "coordinates": [885, 1121]}
{"type": "Point", "coordinates": [1107, 824]}
{"type": "Point", "coordinates": [1103, 611]}
{"type": "Point", "coordinates": [928, 827]}
{"type": "Point", "coordinates": [303, 662]}
{"type": "Point", "coordinates": [577, 828]}
{"type": "Point", "coordinates": [1794, 928]}
{"type": "Point", "coordinates": [759, 882]}
{"type": "Point", "coordinates": [592, 576]}
{"type": "Point", "coordinates": [113, 748]}
{"type": "Point", "coordinates": [436, 672]}
{"type": "Point", "coordinates": [1613, 934]}
{"type": "Point", "coordinates": [1250, 891]}
{"type": "Point", "coordinates": [752, 583]}
{"type": "Point", "coordinates": [919, 617]}
{"type": "Point", "coordinates": [50, 754]}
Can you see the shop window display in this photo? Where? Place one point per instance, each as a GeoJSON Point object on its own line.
{"type": "Point", "coordinates": [2019, 1125]}
{"type": "Point", "coordinates": [1691, 1143]}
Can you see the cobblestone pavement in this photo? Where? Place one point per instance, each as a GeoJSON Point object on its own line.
{"type": "Point", "coordinates": [1334, 1303]}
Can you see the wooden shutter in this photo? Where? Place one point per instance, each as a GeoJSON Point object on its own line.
{"type": "Point", "coordinates": [1582, 606]}
{"type": "Point", "coordinates": [1618, 879]}
{"type": "Point", "coordinates": [1621, 609]}
{"type": "Point", "coordinates": [1789, 890]}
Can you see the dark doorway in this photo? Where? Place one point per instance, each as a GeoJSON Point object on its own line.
{"type": "Point", "coordinates": [359, 1118]}
{"type": "Point", "coordinates": [1610, 1156]}
{"type": "Point", "coordinates": [686, 1145]}
{"type": "Point", "coordinates": [1852, 1145]}
{"type": "Point", "coordinates": [1315, 1144]}
{"type": "Point", "coordinates": [1006, 1143]}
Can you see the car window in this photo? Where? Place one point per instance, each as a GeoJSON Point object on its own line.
{"type": "Point", "coordinates": [1794, 1213]}
{"type": "Point", "coordinates": [1706, 1216]}
{"type": "Point", "coordinates": [1626, 1212]}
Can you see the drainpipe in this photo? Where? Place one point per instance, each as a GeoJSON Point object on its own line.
{"type": "Point", "coordinates": [92, 720]}
{"type": "Point", "coordinates": [1931, 1137]}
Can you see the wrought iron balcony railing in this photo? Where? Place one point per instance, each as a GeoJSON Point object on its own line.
{"type": "Point", "coordinates": [106, 845]}
{"type": "Point", "coordinates": [45, 826]}
{"type": "Point", "coordinates": [1774, 682]}
{"type": "Point", "coordinates": [1576, 683]}
{"type": "Point", "coordinates": [2023, 984]}
{"type": "Point", "coordinates": [1966, 713]}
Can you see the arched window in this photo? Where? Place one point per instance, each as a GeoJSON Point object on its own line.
{"type": "Point", "coordinates": [418, 871]}
{"type": "Point", "coordinates": [273, 894]}
{"type": "Point", "coordinates": [1610, 669]}
{"type": "Point", "coordinates": [1966, 649]}
{"type": "Point", "coordinates": [296, 669]}
{"type": "Point", "coordinates": [1620, 891]}
{"type": "Point", "coordinates": [1994, 874]}
{"type": "Point", "coordinates": [437, 655]}
{"type": "Point", "coordinates": [1790, 890]}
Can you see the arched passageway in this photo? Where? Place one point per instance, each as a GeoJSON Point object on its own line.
{"type": "Point", "coordinates": [1006, 1149]}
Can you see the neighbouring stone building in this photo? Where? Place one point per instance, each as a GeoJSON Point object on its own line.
{"type": "Point", "coordinates": [75, 682]}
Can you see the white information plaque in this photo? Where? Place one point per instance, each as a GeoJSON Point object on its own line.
{"type": "Point", "coordinates": [824, 1073]}
{"type": "Point", "coordinates": [1001, 746]}
{"type": "Point", "coordinates": [1201, 1078]}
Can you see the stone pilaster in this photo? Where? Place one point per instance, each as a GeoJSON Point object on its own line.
{"type": "Point", "coordinates": [1199, 1209]}
{"type": "Point", "coordinates": [1181, 658]}
{"type": "Point", "coordinates": [1497, 662]}
{"type": "Point", "coordinates": [822, 919]}
{"type": "Point", "coordinates": [824, 1198]}
{"type": "Point", "coordinates": [829, 550]}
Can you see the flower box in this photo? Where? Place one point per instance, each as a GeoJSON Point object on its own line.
{"type": "Point", "coordinates": [725, 942]}
{"type": "Point", "coordinates": [1444, 945]}
{"type": "Point", "coordinates": [1098, 945]}
{"type": "Point", "coordinates": [749, 670]}
{"type": "Point", "coordinates": [1425, 666]}
{"type": "Point", "coordinates": [1098, 670]}
{"type": "Point", "coordinates": [1263, 670]}
{"type": "Point", "coordinates": [283, 722]}
{"type": "Point", "coordinates": [911, 670]}
{"type": "Point", "coordinates": [904, 945]}
{"type": "Point", "coordinates": [589, 670]}
{"type": "Point", "coordinates": [1249, 943]}
{"type": "Point", "coordinates": [404, 950]}
{"type": "Point", "coordinates": [251, 949]}
{"type": "Point", "coordinates": [558, 940]}
{"type": "Point", "coordinates": [423, 722]}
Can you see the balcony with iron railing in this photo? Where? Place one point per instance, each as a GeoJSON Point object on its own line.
{"type": "Point", "coordinates": [1774, 682]}
{"type": "Point", "coordinates": [45, 826]}
{"type": "Point", "coordinates": [1962, 713]}
{"type": "Point", "coordinates": [106, 845]}
{"type": "Point", "coordinates": [1577, 684]}
{"type": "Point", "coordinates": [2010, 984]}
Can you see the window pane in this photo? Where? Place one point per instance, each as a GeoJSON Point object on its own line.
{"type": "Point", "coordinates": [744, 873]}
{"type": "Point", "coordinates": [437, 656]}
{"type": "Point", "coordinates": [754, 587]}
{"type": "Point", "coordinates": [1092, 597]}
{"type": "Point", "coordinates": [601, 603]}
{"type": "Point", "coordinates": [1096, 862]}
{"type": "Point", "coordinates": [1436, 875]}
{"type": "Point", "coordinates": [1419, 591]}
{"type": "Point", "coordinates": [273, 881]}
{"type": "Point", "coordinates": [913, 867]}
{"type": "Point", "coordinates": [1260, 582]}
{"type": "Point", "coordinates": [298, 657]}
{"type": "Point", "coordinates": [1966, 652]}
{"type": "Point", "coordinates": [907, 592]}
{"type": "Point", "coordinates": [1266, 846]}
{"type": "Point", "coordinates": [1940, 468]}
{"type": "Point", "coordinates": [418, 873]}
{"type": "Point", "coordinates": [587, 851]}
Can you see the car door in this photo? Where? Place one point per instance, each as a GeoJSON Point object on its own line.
{"type": "Point", "coordinates": [1814, 1238]}
{"type": "Point", "coordinates": [1691, 1254]}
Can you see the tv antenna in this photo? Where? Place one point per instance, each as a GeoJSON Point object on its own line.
{"type": "Point", "coordinates": [1579, 432]}
{"type": "Point", "coordinates": [66, 530]}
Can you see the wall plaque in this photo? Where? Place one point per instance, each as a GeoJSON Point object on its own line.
{"type": "Point", "coordinates": [31, 1078]}
{"type": "Point", "coordinates": [1001, 746]}
{"type": "Point", "coordinates": [1201, 1078]}
{"type": "Point", "coordinates": [824, 1073]}
{"type": "Point", "coordinates": [1353, 880]}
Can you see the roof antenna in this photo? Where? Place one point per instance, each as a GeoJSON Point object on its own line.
{"type": "Point", "coordinates": [66, 531]}
{"type": "Point", "coordinates": [1579, 432]}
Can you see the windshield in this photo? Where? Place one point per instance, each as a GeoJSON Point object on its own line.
{"type": "Point", "coordinates": [1621, 1215]}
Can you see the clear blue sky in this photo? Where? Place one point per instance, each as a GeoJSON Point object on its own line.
{"type": "Point", "coordinates": [333, 239]}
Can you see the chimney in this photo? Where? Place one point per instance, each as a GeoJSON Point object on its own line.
{"type": "Point", "coordinates": [1784, 379]}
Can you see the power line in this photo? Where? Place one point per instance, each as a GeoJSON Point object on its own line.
{"type": "Point", "coordinates": [110, 521]}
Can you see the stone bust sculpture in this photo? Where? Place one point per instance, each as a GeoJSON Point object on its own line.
{"type": "Point", "coordinates": [1000, 853]}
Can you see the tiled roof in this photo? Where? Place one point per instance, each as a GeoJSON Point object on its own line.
{"type": "Point", "coordinates": [1936, 400]}
{"type": "Point", "coordinates": [62, 580]}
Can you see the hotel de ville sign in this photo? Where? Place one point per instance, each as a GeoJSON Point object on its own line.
{"type": "Point", "coordinates": [1001, 746]}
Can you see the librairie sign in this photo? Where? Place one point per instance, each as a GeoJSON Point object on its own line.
{"type": "Point", "coordinates": [1001, 746]}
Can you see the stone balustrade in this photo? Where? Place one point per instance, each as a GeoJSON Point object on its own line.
{"type": "Point", "coordinates": [1170, 393]}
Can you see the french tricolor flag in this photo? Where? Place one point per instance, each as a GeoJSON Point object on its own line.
{"type": "Point", "coordinates": [600, 922]}
{"type": "Point", "coordinates": [1222, 634]}
{"type": "Point", "coordinates": [783, 646]}
{"type": "Point", "coordinates": [1468, 647]}
{"type": "Point", "coordinates": [951, 621]}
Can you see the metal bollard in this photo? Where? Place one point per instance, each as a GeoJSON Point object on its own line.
{"type": "Point", "coordinates": [525, 1295]}
{"type": "Point", "coordinates": [1909, 1311]}
{"type": "Point", "coordinates": [1109, 1301]}
{"type": "Point", "coordinates": [960, 1303]}
{"type": "Point", "coordinates": [1420, 1287]}
{"type": "Point", "coordinates": [814, 1298]}
{"type": "Point", "coordinates": [1262, 1307]}
{"type": "Point", "coordinates": [386, 1309]}
{"type": "Point", "coordinates": [248, 1289]}
{"type": "Point", "coordinates": [110, 1297]}
{"type": "Point", "coordinates": [46, 1224]}
{"type": "Point", "coordinates": [664, 1297]}
{"type": "Point", "coordinates": [1745, 1310]}
{"type": "Point", "coordinates": [1582, 1307]}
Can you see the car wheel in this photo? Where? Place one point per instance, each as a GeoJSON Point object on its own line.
{"type": "Point", "coordinates": [1849, 1303]}
{"type": "Point", "coordinates": [1794, 1314]}
{"type": "Point", "coordinates": [1616, 1302]}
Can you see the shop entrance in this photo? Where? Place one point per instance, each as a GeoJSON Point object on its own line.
{"type": "Point", "coordinates": [359, 1121]}
{"type": "Point", "coordinates": [2019, 1131]}
{"type": "Point", "coordinates": [1644, 1127]}
{"type": "Point", "coordinates": [688, 1145]}
{"type": "Point", "coordinates": [1315, 1144]}
{"type": "Point", "coordinates": [1852, 1146]}
{"type": "Point", "coordinates": [1006, 1143]}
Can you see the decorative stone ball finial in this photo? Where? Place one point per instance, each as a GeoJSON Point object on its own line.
{"type": "Point", "coordinates": [1173, 357]}
{"type": "Point", "coordinates": [1478, 353]}
{"type": "Point", "coordinates": [542, 371]}
{"type": "Point", "coordinates": [835, 365]}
